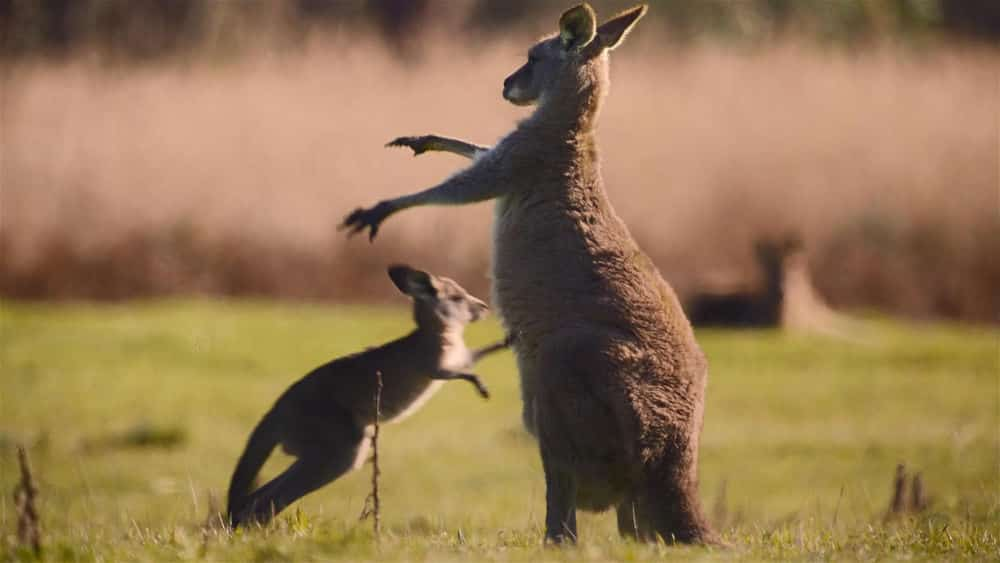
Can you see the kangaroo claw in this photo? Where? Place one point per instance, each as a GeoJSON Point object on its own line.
{"type": "Point", "coordinates": [418, 145]}
{"type": "Point", "coordinates": [361, 219]}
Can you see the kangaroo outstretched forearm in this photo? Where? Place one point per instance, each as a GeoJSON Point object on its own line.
{"type": "Point", "coordinates": [436, 143]}
{"type": "Point", "coordinates": [448, 375]}
{"type": "Point", "coordinates": [495, 347]}
{"type": "Point", "coordinates": [445, 374]}
{"type": "Point", "coordinates": [482, 181]}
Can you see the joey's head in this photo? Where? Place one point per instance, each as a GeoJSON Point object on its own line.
{"type": "Point", "coordinates": [438, 303]}
{"type": "Point", "coordinates": [571, 62]}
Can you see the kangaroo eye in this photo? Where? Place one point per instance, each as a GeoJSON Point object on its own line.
{"type": "Point", "coordinates": [456, 299]}
{"type": "Point", "coordinates": [532, 59]}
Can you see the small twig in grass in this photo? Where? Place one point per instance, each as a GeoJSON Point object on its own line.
{"type": "Point", "coordinates": [898, 503]}
{"type": "Point", "coordinates": [25, 501]}
{"type": "Point", "coordinates": [836, 510]}
{"type": "Point", "coordinates": [720, 510]}
{"type": "Point", "coordinates": [214, 520]}
{"type": "Point", "coordinates": [373, 506]}
{"type": "Point", "coordinates": [918, 497]}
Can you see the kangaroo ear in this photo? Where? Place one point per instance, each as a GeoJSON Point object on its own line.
{"type": "Point", "coordinates": [793, 242]}
{"type": "Point", "coordinates": [763, 249]}
{"type": "Point", "coordinates": [613, 31]}
{"type": "Point", "coordinates": [414, 283]}
{"type": "Point", "coordinates": [577, 27]}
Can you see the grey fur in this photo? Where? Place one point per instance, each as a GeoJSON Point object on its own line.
{"type": "Point", "coordinates": [612, 380]}
{"type": "Point", "coordinates": [325, 419]}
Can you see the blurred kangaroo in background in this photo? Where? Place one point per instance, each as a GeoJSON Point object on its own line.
{"type": "Point", "coordinates": [762, 307]}
{"type": "Point", "coordinates": [325, 419]}
{"type": "Point", "coordinates": [787, 298]}
{"type": "Point", "coordinates": [612, 379]}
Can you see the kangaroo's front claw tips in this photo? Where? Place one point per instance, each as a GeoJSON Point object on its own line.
{"type": "Point", "coordinates": [361, 219]}
{"type": "Point", "coordinates": [417, 144]}
{"type": "Point", "coordinates": [481, 388]}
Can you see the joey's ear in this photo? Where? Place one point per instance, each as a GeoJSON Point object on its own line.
{"type": "Point", "coordinates": [613, 31]}
{"type": "Point", "coordinates": [577, 27]}
{"type": "Point", "coordinates": [414, 283]}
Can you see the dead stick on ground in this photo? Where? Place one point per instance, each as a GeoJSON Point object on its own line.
{"type": "Point", "coordinates": [897, 505]}
{"type": "Point", "coordinates": [373, 505]}
{"type": "Point", "coordinates": [918, 499]}
{"type": "Point", "coordinates": [25, 496]}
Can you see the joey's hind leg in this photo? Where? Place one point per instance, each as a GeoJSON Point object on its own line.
{"type": "Point", "coordinates": [327, 446]}
{"type": "Point", "coordinates": [308, 473]}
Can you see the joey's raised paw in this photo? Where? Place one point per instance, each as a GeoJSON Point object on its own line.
{"type": "Point", "coordinates": [510, 340]}
{"type": "Point", "coordinates": [481, 387]}
{"type": "Point", "coordinates": [361, 219]}
{"type": "Point", "coordinates": [419, 145]}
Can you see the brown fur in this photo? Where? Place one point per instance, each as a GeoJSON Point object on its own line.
{"type": "Point", "coordinates": [612, 379]}
{"type": "Point", "coordinates": [325, 419]}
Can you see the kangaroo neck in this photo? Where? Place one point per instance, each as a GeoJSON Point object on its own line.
{"type": "Point", "coordinates": [775, 288]}
{"type": "Point", "coordinates": [569, 112]}
{"type": "Point", "coordinates": [438, 335]}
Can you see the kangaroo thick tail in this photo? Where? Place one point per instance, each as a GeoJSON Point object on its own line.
{"type": "Point", "coordinates": [262, 440]}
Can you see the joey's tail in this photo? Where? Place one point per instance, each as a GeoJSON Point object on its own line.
{"type": "Point", "coordinates": [262, 440]}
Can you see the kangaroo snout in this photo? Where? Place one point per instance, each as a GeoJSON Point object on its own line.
{"type": "Point", "coordinates": [508, 85]}
{"type": "Point", "coordinates": [513, 91]}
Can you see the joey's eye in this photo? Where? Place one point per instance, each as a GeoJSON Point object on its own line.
{"type": "Point", "coordinates": [456, 299]}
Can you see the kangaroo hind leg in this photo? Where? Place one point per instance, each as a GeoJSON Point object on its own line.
{"type": "Point", "coordinates": [633, 520]}
{"type": "Point", "coordinates": [308, 473]}
{"type": "Point", "coordinates": [327, 446]}
{"type": "Point", "coordinates": [670, 506]}
{"type": "Point", "coordinates": [560, 503]}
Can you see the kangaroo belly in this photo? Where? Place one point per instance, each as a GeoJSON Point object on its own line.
{"type": "Point", "coordinates": [395, 411]}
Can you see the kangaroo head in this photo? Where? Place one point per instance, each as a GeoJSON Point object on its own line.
{"type": "Point", "coordinates": [774, 256]}
{"type": "Point", "coordinates": [572, 60]}
{"type": "Point", "coordinates": [438, 303]}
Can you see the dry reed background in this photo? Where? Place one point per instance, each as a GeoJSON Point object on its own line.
{"type": "Point", "coordinates": [212, 177]}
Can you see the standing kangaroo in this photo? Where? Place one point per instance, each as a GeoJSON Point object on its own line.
{"type": "Point", "coordinates": [612, 379]}
{"type": "Point", "coordinates": [325, 419]}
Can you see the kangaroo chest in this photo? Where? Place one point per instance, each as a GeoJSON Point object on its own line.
{"type": "Point", "coordinates": [399, 410]}
{"type": "Point", "coordinates": [403, 396]}
{"type": "Point", "coordinates": [557, 261]}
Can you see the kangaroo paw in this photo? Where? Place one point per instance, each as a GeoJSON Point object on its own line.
{"type": "Point", "coordinates": [419, 145]}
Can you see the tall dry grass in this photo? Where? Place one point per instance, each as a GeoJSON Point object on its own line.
{"type": "Point", "coordinates": [231, 177]}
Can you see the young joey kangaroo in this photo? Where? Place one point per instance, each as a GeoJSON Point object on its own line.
{"type": "Point", "coordinates": [325, 419]}
{"type": "Point", "coordinates": [612, 379]}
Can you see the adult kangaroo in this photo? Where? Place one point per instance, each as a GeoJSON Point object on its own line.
{"type": "Point", "coordinates": [612, 379]}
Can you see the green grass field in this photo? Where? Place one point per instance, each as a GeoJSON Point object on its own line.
{"type": "Point", "coordinates": [134, 416]}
